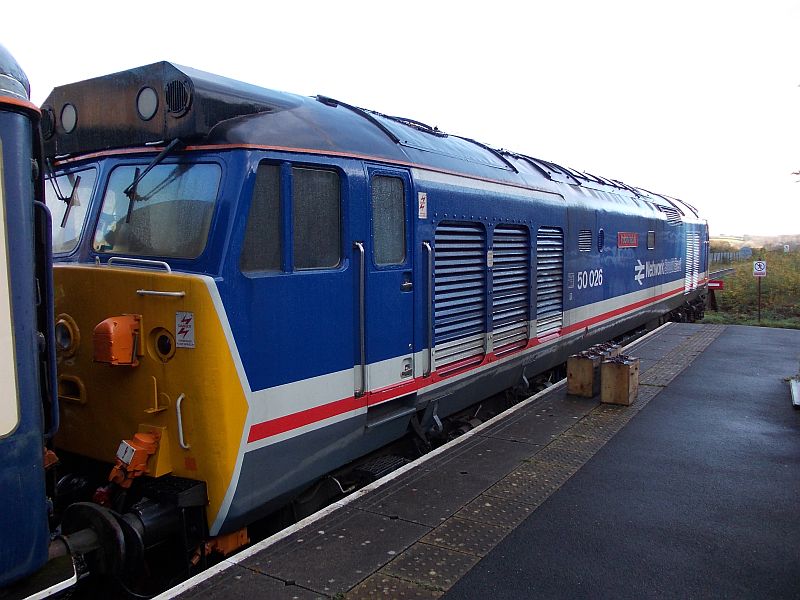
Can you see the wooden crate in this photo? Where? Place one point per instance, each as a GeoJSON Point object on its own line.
{"type": "Point", "coordinates": [583, 374]}
{"type": "Point", "coordinates": [607, 349]}
{"type": "Point", "coordinates": [620, 380]}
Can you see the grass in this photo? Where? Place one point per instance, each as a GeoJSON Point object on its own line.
{"type": "Point", "coordinates": [780, 293]}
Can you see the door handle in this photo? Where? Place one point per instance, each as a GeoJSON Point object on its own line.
{"type": "Point", "coordinates": [406, 286]}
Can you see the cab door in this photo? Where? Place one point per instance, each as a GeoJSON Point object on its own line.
{"type": "Point", "coordinates": [388, 293]}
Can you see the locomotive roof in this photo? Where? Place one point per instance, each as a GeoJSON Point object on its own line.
{"type": "Point", "coordinates": [161, 102]}
{"type": "Point", "coordinates": [13, 81]}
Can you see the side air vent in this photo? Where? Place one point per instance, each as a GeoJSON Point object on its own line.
{"type": "Point", "coordinates": [585, 240]}
{"type": "Point", "coordinates": [459, 281]}
{"type": "Point", "coordinates": [549, 280]}
{"type": "Point", "coordinates": [510, 289]}
{"type": "Point", "coordinates": [692, 262]}
{"type": "Point", "coordinates": [673, 216]}
{"type": "Point", "coordinates": [178, 96]}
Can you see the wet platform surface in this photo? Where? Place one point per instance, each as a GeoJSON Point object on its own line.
{"type": "Point", "coordinates": [690, 492]}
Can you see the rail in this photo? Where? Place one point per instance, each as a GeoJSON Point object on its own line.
{"type": "Point", "coordinates": [721, 273]}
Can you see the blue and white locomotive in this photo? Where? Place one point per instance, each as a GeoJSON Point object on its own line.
{"type": "Point", "coordinates": [254, 288]}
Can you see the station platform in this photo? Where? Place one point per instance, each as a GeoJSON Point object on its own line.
{"type": "Point", "coordinates": [690, 492]}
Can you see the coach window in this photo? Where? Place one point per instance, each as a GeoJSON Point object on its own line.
{"type": "Point", "coordinates": [262, 239]}
{"type": "Point", "coordinates": [388, 221]}
{"type": "Point", "coordinates": [316, 219]}
{"type": "Point", "coordinates": [651, 240]}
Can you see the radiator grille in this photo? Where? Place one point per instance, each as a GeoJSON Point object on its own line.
{"type": "Point", "coordinates": [692, 262]}
{"type": "Point", "coordinates": [549, 280]}
{"type": "Point", "coordinates": [459, 295]}
{"type": "Point", "coordinates": [585, 240]}
{"type": "Point", "coordinates": [510, 289]}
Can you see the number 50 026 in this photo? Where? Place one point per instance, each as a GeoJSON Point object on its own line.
{"type": "Point", "coordinates": [590, 279]}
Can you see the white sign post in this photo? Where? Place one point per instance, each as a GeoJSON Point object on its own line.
{"type": "Point", "coordinates": [759, 272]}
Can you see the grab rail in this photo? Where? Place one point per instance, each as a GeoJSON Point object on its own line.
{"type": "Point", "coordinates": [160, 293]}
{"type": "Point", "coordinates": [139, 261]}
{"type": "Point", "coordinates": [361, 388]}
{"type": "Point", "coordinates": [181, 439]}
{"type": "Point", "coordinates": [429, 252]}
{"type": "Point", "coordinates": [45, 292]}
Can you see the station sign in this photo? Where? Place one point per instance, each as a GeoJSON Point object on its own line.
{"type": "Point", "coordinates": [759, 268]}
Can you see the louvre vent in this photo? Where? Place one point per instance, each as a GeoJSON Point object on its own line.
{"type": "Point", "coordinates": [510, 289]}
{"type": "Point", "coordinates": [673, 216]}
{"type": "Point", "coordinates": [459, 280]}
{"type": "Point", "coordinates": [585, 240]}
{"type": "Point", "coordinates": [178, 96]}
{"type": "Point", "coordinates": [549, 280]}
{"type": "Point", "coordinates": [692, 262]}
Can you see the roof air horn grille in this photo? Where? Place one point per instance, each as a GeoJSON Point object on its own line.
{"type": "Point", "coordinates": [178, 96]}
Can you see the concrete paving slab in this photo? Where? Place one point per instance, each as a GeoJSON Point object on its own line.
{"type": "Point", "coordinates": [244, 583]}
{"type": "Point", "coordinates": [545, 420]}
{"type": "Point", "coordinates": [360, 544]}
{"type": "Point", "coordinates": [431, 566]}
{"type": "Point", "coordinates": [387, 587]}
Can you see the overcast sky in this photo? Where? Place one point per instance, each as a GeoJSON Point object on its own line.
{"type": "Point", "coordinates": [695, 99]}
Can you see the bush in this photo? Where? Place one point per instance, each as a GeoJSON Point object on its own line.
{"type": "Point", "coordinates": [780, 292]}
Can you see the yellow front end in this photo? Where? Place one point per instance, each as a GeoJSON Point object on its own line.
{"type": "Point", "coordinates": [177, 381]}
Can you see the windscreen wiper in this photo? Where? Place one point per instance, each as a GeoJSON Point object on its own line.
{"type": "Point", "coordinates": [130, 191]}
{"type": "Point", "coordinates": [73, 196]}
{"type": "Point", "coordinates": [69, 200]}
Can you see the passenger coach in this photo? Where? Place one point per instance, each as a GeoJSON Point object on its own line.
{"type": "Point", "coordinates": [254, 288]}
{"type": "Point", "coordinates": [28, 409]}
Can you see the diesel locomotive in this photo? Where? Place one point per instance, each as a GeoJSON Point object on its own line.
{"type": "Point", "coordinates": [254, 288]}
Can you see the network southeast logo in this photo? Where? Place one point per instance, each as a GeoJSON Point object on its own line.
{"type": "Point", "coordinates": [654, 269]}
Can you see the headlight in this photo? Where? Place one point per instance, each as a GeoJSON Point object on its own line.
{"type": "Point", "coordinates": [68, 336]}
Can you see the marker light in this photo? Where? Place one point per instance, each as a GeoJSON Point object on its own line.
{"type": "Point", "coordinates": [69, 118]}
{"type": "Point", "coordinates": [146, 103]}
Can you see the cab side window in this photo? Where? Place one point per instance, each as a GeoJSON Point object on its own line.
{"type": "Point", "coordinates": [316, 221]}
{"type": "Point", "coordinates": [262, 239]}
{"type": "Point", "coordinates": [388, 221]}
{"type": "Point", "coordinates": [312, 199]}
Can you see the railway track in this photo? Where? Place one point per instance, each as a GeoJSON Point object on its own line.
{"type": "Point", "coordinates": [721, 273]}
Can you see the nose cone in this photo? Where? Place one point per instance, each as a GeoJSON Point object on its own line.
{"type": "Point", "coordinates": [13, 81]}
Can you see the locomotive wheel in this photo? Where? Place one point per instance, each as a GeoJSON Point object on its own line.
{"type": "Point", "coordinates": [108, 554]}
